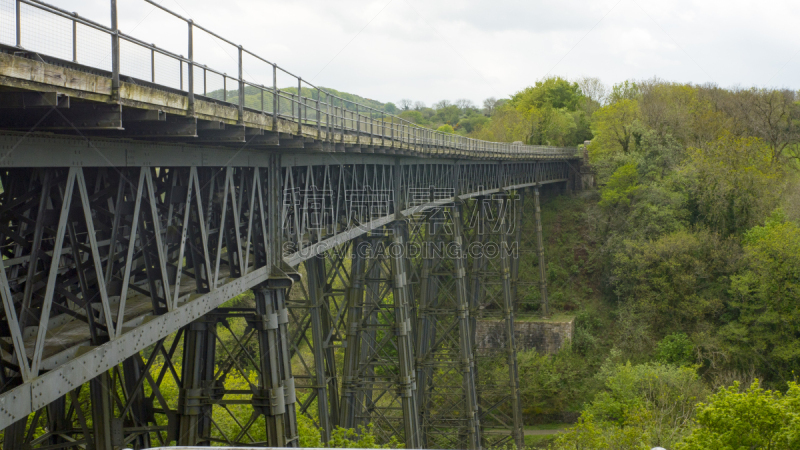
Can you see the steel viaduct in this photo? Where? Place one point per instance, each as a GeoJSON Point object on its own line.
{"type": "Point", "coordinates": [142, 191]}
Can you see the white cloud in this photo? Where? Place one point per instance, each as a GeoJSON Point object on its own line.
{"type": "Point", "coordinates": [433, 49]}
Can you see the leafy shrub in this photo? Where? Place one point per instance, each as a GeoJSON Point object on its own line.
{"type": "Point", "coordinates": [446, 128]}
{"type": "Point", "coordinates": [640, 406]}
{"type": "Point", "coordinates": [754, 419]}
{"type": "Point", "coordinates": [675, 348]}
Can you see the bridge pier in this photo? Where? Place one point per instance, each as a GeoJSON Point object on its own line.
{"type": "Point", "coordinates": [402, 295]}
{"type": "Point", "coordinates": [133, 370]}
{"type": "Point", "coordinates": [378, 388]}
{"type": "Point", "coordinates": [351, 392]}
{"type": "Point", "coordinates": [197, 383]}
{"type": "Point", "coordinates": [100, 390]}
{"type": "Point", "coordinates": [507, 255]}
{"type": "Point", "coordinates": [445, 335]}
{"type": "Point", "coordinates": [492, 250]}
{"type": "Point", "coordinates": [14, 435]}
{"type": "Point", "coordinates": [325, 382]}
{"type": "Point", "coordinates": [468, 367]}
{"type": "Point", "coordinates": [276, 397]}
{"type": "Point", "coordinates": [540, 252]}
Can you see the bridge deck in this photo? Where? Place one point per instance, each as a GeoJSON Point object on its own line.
{"type": "Point", "coordinates": [84, 105]}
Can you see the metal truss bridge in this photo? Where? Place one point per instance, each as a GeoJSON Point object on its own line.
{"type": "Point", "coordinates": [194, 258]}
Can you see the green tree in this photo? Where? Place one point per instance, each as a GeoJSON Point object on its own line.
{"type": "Point", "coordinates": [554, 92]}
{"type": "Point", "coordinates": [732, 183]}
{"type": "Point", "coordinates": [552, 383]}
{"type": "Point", "coordinates": [627, 90]}
{"type": "Point", "coordinates": [765, 298]}
{"type": "Point", "coordinates": [678, 280]}
{"type": "Point", "coordinates": [472, 122]}
{"type": "Point", "coordinates": [550, 126]}
{"type": "Point", "coordinates": [675, 348]}
{"type": "Point", "coordinates": [413, 116]}
{"type": "Point", "coordinates": [507, 125]}
{"type": "Point", "coordinates": [620, 188]}
{"type": "Point", "coordinates": [364, 437]}
{"type": "Point", "coordinates": [553, 108]}
{"type": "Point", "coordinates": [613, 127]}
{"type": "Point", "coordinates": [752, 420]}
{"type": "Point", "coordinates": [446, 129]}
{"type": "Point", "coordinates": [447, 114]}
{"type": "Point", "coordinates": [640, 407]}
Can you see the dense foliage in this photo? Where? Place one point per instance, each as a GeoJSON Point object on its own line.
{"type": "Point", "coordinates": [690, 251]}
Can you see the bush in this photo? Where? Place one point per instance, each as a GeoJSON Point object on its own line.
{"type": "Point", "coordinates": [676, 349]}
{"type": "Point", "coordinates": [446, 129]}
{"type": "Point", "coordinates": [641, 406]}
{"type": "Point", "coordinates": [754, 419]}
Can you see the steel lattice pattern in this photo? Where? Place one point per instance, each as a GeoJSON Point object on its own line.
{"type": "Point", "coordinates": [132, 264]}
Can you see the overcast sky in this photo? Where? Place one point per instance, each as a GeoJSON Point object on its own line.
{"type": "Point", "coordinates": [430, 50]}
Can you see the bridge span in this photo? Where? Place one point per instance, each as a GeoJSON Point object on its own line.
{"type": "Point", "coordinates": [359, 249]}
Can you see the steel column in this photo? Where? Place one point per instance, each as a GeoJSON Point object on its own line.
{"type": "Point", "coordinates": [194, 407]}
{"type": "Point", "coordinates": [519, 213]}
{"type": "Point", "coordinates": [446, 364]}
{"type": "Point", "coordinates": [465, 332]}
{"type": "Point", "coordinates": [101, 389]}
{"type": "Point", "coordinates": [350, 405]}
{"type": "Point", "coordinates": [506, 259]}
{"type": "Point", "coordinates": [315, 269]}
{"type": "Point", "coordinates": [540, 251]}
{"type": "Point", "coordinates": [277, 394]}
{"type": "Point", "coordinates": [405, 343]}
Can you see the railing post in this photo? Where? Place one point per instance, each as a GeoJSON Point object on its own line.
{"type": "Point", "coordinates": [274, 98]}
{"type": "Point", "coordinates": [191, 68]}
{"type": "Point", "coordinates": [299, 111]}
{"type": "Point", "coordinates": [114, 52]}
{"type": "Point", "coordinates": [75, 40]}
{"type": "Point", "coordinates": [344, 123]}
{"type": "Point", "coordinates": [152, 65]}
{"type": "Point", "coordinates": [19, 26]}
{"type": "Point", "coordinates": [319, 117]}
{"type": "Point", "coordinates": [328, 118]}
{"type": "Point", "coordinates": [540, 251]}
{"type": "Point", "coordinates": [241, 86]}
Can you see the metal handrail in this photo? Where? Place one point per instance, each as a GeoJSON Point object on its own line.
{"type": "Point", "coordinates": [318, 113]}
